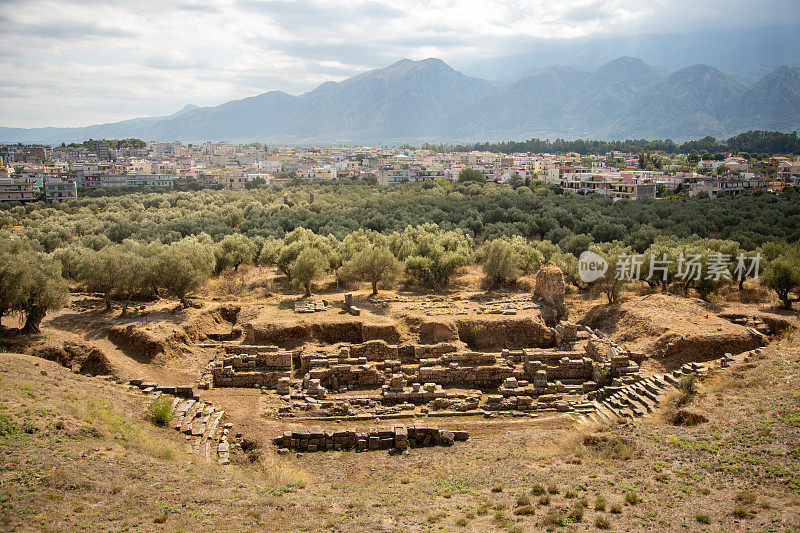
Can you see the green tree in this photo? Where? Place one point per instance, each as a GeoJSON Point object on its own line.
{"type": "Point", "coordinates": [31, 285]}
{"type": "Point", "coordinates": [309, 266]}
{"type": "Point", "coordinates": [233, 251]}
{"type": "Point", "coordinates": [782, 275]}
{"type": "Point", "coordinates": [71, 257]}
{"type": "Point", "coordinates": [500, 262]}
{"type": "Point", "coordinates": [614, 280]}
{"type": "Point", "coordinates": [100, 272]}
{"type": "Point", "coordinates": [471, 175]}
{"type": "Point", "coordinates": [506, 259]}
{"type": "Point", "coordinates": [431, 254]}
{"type": "Point", "coordinates": [297, 241]}
{"type": "Point", "coordinates": [120, 270]}
{"type": "Point", "coordinates": [270, 249]}
{"type": "Point", "coordinates": [373, 264]}
{"type": "Point", "coordinates": [185, 265]}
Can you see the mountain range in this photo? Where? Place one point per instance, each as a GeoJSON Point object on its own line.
{"type": "Point", "coordinates": [427, 100]}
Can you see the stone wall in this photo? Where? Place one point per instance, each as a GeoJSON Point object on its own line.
{"type": "Point", "coordinates": [386, 438]}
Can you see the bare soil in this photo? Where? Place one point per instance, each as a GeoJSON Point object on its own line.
{"type": "Point", "coordinates": [78, 453]}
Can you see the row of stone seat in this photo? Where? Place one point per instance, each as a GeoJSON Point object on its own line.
{"type": "Point", "coordinates": [639, 398]}
{"type": "Point", "coordinates": [201, 423]}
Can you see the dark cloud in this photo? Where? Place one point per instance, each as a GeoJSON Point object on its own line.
{"type": "Point", "coordinates": [62, 30]}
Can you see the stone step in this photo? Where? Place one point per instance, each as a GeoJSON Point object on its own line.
{"type": "Point", "coordinates": [650, 387]}
{"type": "Point", "coordinates": [180, 413]}
{"type": "Point", "coordinates": [638, 406]}
{"type": "Point", "coordinates": [671, 379]}
{"type": "Point", "coordinates": [604, 413]}
{"type": "Point", "coordinates": [658, 382]}
{"type": "Point", "coordinates": [189, 419]}
{"type": "Point", "coordinates": [651, 396]}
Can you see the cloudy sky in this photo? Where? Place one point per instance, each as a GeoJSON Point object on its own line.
{"type": "Point", "coordinates": [80, 62]}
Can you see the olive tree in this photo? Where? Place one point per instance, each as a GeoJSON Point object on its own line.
{"type": "Point", "coordinates": [309, 266]}
{"type": "Point", "coordinates": [373, 264]}
{"type": "Point", "coordinates": [31, 284]}
{"type": "Point", "coordinates": [506, 259]}
{"type": "Point", "coordinates": [100, 272]}
{"type": "Point", "coordinates": [297, 241]}
{"type": "Point", "coordinates": [782, 275]}
{"type": "Point", "coordinates": [185, 265]}
{"type": "Point", "coordinates": [617, 275]}
{"type": "Point", "coordinates": [233, 251]}
{"type": "Point", "coordinates": [430, 253]}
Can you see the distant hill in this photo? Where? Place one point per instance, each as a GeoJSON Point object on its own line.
{"type": "Point", "coordinates": [693, 102]}
{"type": "Point", "coordinates": [415, 101]}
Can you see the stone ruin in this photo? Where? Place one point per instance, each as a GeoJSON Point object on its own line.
{"type": "Point", "coordinates": [311, 306]}
{"type": "Point", "coordinates": [348, 305]}
{"type": "Point", "coordinates": [248, 366]}
{"type": "Point", "coordinates": [375, 378]}
{"type": "Point", "coordinates": [549, 289]}
{"type": "Point", "coordinates": [387, 438]}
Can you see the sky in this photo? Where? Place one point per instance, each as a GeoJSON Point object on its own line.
{"type": "Point", "coordinates": [82, 62]}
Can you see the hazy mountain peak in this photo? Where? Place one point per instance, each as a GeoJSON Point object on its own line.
{"type": "Point", "coordinates": [427, 100]}
{"type": "Point", "coordinates": [625, 65]}
{"type": "Point", "coordinates": [184, 109]}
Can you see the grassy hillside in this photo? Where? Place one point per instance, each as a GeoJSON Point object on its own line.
{"type": "Point", "coordinates": [79, 453]}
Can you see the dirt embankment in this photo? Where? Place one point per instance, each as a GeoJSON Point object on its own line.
{"type": "Point", "coordinates": [488, 333]}
{"type": "Point", "coordinates": [161, 339]}
{"type": "Point", "coordinates": [77, 357]}
{"type": "Point", "coordinates": [672, 329]}
{"type": "Point", "coordinates": [297, 333]}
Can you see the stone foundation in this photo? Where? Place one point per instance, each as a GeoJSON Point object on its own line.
{"type": "Point", "coordinates": [387, 438]}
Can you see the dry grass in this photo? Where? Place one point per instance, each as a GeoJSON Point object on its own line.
{"type": "Point", "coordinates": [132, 483]}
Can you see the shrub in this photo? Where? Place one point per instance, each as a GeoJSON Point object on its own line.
{"type": "Point", "coordinates": [497, 488]}
{"type": "Point", "coordinates": [462, 522]}
{"type": "Point", "coordinates": [576, 515]}
{"type": "Point", "coordinates": [616, 509]}
{"type": "Point", "coordinates": [7, 426]}
{"type": "Point", "coordinates": [483, 508]}
{"type": "Point", "coordinates": [632, 498]}
{"type": "Point", "coordinates": [554, 519]}
{"type": "Point", "coordinates": [688, 388]}
{"type": "Point", "coordinates": [523, 499]}
{"type": "Point", "coordinates": [703, 518]}
{"type": "Point", "coordinates": [600, 503]}
{"type": "Point", "coordinates": [740, 512]}
{"type": "Point", "coordinates": [525, 510]}
{"type": "Point", "coordinates": [160, 411]}
{"type": "Point", "coordinates": [602, 523]}
{"type": "Point", "coordinates": [537, 490]}
{"type": "Point", "coordinates": [553, 489]}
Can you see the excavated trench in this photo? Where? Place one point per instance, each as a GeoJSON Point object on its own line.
{"type": "Point", "coordinates": [490, 334]}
